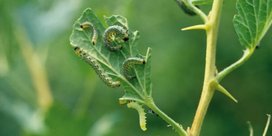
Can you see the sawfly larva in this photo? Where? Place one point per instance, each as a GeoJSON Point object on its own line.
{"type": "Point", "coordinates": [114, 36]}
{"type": "Point", "coordinates": [141, 112]}
{"type": "Point", "coordinates": [128, 66]}
{"type": "Point", "coordinates": [97, 67]}
{"type": "Point", "coordinates": [86, 25]}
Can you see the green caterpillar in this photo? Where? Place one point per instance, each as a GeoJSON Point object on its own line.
{"type": "Point", "coordinates": [97, 67]}
{"type": "Point", "coordinates": [86, 25]}
{"type": "Point", "coordinates": [141, 112]}
{"type": "Point", "coordinates": [128, 66]}
{"type": "Point", "coordinates": [185, 9]}
{"type": "Point", "coordinates": [113, 36]}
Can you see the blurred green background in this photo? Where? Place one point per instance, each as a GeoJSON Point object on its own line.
{"type": "Point", "coordinates": [38, 68]}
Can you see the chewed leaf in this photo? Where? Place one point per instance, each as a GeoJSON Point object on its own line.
{"type": "Point", "coordinates": [106, 48]}
{"type": "Point", "coordinates": [252, 21]}
{"type": "Point", "coordinates": [117, 20]}
{"type": "Point", "coordinates": [142, 80]}
{"type": "Point", "coordinates": [111, 52]}
{"type": "Point", "coordinates": [147, 73]}
{"type": "Point", "coordinates": [141, 112]}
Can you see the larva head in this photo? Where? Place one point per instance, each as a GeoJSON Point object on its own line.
{"type": "Point", "coordinates": [114, 84]}
{"type": "Point", "coordinates": [126, 39]}
{"type": "Point", "coordinates": [77, 51]}
{"type": "Point", "coordinates": [122, 102]}
{"type": "Point", "coordinates": [126, 36]}
{"type": "Point", "coordinates": [85, 25]}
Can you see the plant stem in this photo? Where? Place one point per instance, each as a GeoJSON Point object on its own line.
{"type": "Point", "coordinates": [210, 68]}
{"type": "Point", "coordinates": [178, 128]}
{"type": "Point", "coordinates": [250, 128]}
{"type": "Point", "coordinates": [247, 54]}
{"type": "Point", "coordinates": [36, 69]}
{"type": "Point", "coordinates": [267, 124]}
{"type": "Point", "coordinates": [197, 11]}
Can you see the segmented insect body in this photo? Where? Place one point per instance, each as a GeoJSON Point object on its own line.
{"type": "Point", "coordinates": [97, 67]}
{"type": "Point", "coordinates": [185, 9]}
{"type": "Point", "coordinates": [128, 66]}
{"type": "Point", "coordinates": [141, 112]}
{"type": "Point", "coordinates": [87, 25]}
{"type": "Point", "coordinates": [114, 36]}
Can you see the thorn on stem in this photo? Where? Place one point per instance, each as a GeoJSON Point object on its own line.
{"type": "Point", "coordinates": [195, 27]}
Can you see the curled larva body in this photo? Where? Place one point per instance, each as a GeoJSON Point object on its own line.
{"type": "Point", "coordinates": [97, 67]}
{"type": "Point", "coordinates": [185, 9]}
{"type": "Point", "coordinates": [114, 36]}
{"type": "Point", "coordinates": [141, 112]}
{"type": "Point", "coordinates": [128, 66]}
{"type": "Point", "coordinates": [86, 25]}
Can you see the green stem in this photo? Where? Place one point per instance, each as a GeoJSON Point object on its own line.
{"type": "Point", "coordinates": [199, 12]}
{"type": "Point", "coordinates": [210, 68]}
{"type": "Point", "coordinates": [247, 54]}
{"type": "Point", "coordinates": [267, 124]}
{"type": "Point", "coordinates": [36, 68]}
{"type": "Point", "coordinates": [250, 128]}
{"type": "Point", "coordinates": [178, 128]}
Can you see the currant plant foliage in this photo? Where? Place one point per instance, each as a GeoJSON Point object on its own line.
{"type": "Point", "coordinates": [110, 55]}
{"type": "Point", "coordinates": [252, 21]}
{"type": "Point", "coordinates": [111, 51]}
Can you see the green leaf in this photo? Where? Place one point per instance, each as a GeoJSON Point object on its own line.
{"type": "Point", "coordinates": [135, 89]}
{"type": "Point", "coordinates": [146, 75]}
{"type": "Point", "coordinates": [116, 20]}
{"type": "Point", "coordinates": [252, 21]}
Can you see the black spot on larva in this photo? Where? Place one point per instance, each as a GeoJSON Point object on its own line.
{"type": "Point", "coordinates": [144, 62]}
{"type": "Point", "coordinates": [126, 39]}
{"type": "Point", "coordinates": [87, 25]}
{"type": "Point", "coordinates": [257, 47]}
{"type": "Point", "coordinates": [76, 48]}
{"type": "Point", "coordinates": [128, 66]}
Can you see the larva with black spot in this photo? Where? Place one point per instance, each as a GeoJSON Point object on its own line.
{"type": "Point", "coordinates": [97, 67]}
{"type": "Point", "coordinates": [141, 112]}
{"type": "Point", "coordinates": [86, 25]}
{"type": "Point", "coordinates": [128, 66]}
{"type": "Point", "coordinates": [114, 36]}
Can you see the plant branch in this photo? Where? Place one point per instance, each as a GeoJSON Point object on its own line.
{"type": "Point", "coordinates": [210, 68]}
{"type": "Point", "coordinates": [247, 54]}
{"type": "Point", "coordinates": [251, 131]}
{"type": "Point", "coordinates": [178, 128]}
{"type": "Point", "coordinates": [199, 12]}
{"type": "Point", "coordinates": [36, 69]}
{"type": "Point", "coordinates": [267, 124]}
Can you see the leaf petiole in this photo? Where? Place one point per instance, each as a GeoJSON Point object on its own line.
{"type": "Point", "coordinates": [247, 54]}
